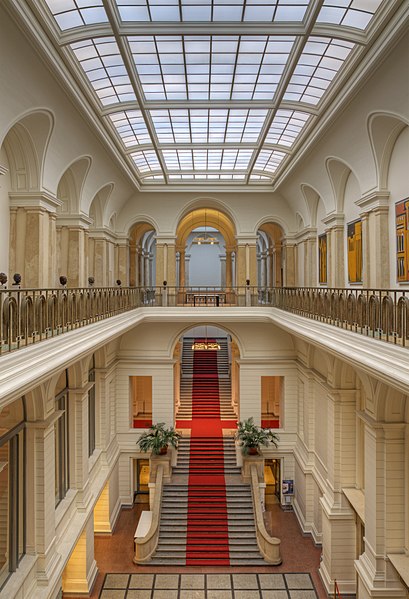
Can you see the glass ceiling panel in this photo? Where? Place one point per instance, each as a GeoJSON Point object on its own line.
{"type": "Point", "coordinates": [146, 161]}
{"type": "Point", "coordinates": [286, 127]}
{"type": "Point", "coordinates": [210, 67]}
{"type": "Point", "coordinates": [204, 160]}
{"type": "Point", "coordinates": [208, 126]}
{"type": "Point", "coordinates": [269, 160]}
{"type": "Point", "coordinates": [212, 10]}
{"type": "Point", "coordinates": [131, 127]}
{"type": "Point", "coordinates": [320, 61]}
{"type": "Point", "coordinates": [77, 13]}
{"type": "Point", "coordinates": [207, 176]}
{"type": "Point", "coordinates": [353, 13]}
{"type": "Point", "coordinates": [102, 63]}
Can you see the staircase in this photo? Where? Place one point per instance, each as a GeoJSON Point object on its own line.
{"type": "Point", "coordinates": [207, 512]}
{"type": "Point", "coordinates": [234, 544]}
{"type": "Point", "coordinates": [206, 385]}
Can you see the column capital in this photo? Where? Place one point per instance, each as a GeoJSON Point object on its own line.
{"type": "Point", "coordinates": [246, 239]}
{"type": "Point", "coordinates": [165, 239]}
{"type": "Point", "coordinates": [74, 221]}
{"type": "Point", "coordinates": [374, 199]}
{"type": "Point", "coordinates": [104, 234]}
{"type": "Point", "coordinates": [34, 199]}
{"type": "Point", "coordinates": [335, 220]}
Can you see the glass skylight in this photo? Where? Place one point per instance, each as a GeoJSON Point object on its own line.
{"type": "Point", "coordinates": [194, 106]}
{"type": "Point", "coordinates": [146, 161]}
{"type": "Point", "coordinates": [210, 67]}
{"type": "Point", "coordinates": [203, 160]}
{"type": "Point", "coordinates": [208, 126]}
{"type": "Point", "coordinates": [320, 61]}
{"type": "Point", "coordinates": [131, 127]}
{"type": "Point", "coordinates": [207, 176]}
{"type": "Point", "coordinates": [77, 13]}
{"type": "Point", "coordinates": [102, 63]}
{"type": "Point", "coordinates": [286, 127]}
{"type": "Point", "coordinates": [212, 10]}
{"type": "Point", "coordinates": [353, 13]}
{"type": "Point", "coordinates": [269, 160]}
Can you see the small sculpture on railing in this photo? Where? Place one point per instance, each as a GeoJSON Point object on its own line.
{"type": "Point", "coordinates": [16, 278]}
{"type": "Point", "coordinates": [3, 279]}
{"type": "Point", "coordinates": [119, 282]}
{"type": "Point", "coordinates": [63, 280]}
{"type": "Point", "coordinates": [91, 281]}
{"type": "Point", "coordinates": [248, 282]}
{"type": "Point", "coordinates": [165, 283]}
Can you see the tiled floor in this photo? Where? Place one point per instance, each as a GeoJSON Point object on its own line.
{"type": "Point", "coordinates": [208, 586]}
{"type": "Point", "coordinates": [114, 554]}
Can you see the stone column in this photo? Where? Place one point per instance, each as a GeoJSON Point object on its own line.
{"type": "Point", "coordinates": [384, 509]}
{"type": "Point", "coordinates": [311, 254]}
{"type": "Point", "coordinates": [277, 265]}
{"type": "Point", "coordinates": [79, 448]}
{"type": "Point", "coordinates": [32, 238]}
{"type": "Point", "coordinates": [99, 260]}
{"type": "Point", "coordinates": [289, 263]}
{"type": "Point", "coordinates": [40, 508]}
{"type": "Point", "coordinates": [223, 271]}
{"type": "Point", "coordinates": [246, 261]}
{"type": "Point", "coordinates": [160, 266]}
{"type": "Point", "coordinates": [182, 268]}
{"type": "Point", "coordinates": [375, 239]}
{"type": "Point", "coordinates": [229, 267]}
{"type": "Point", "coordinates": [338, 518]}
{"type": "Point", "coordinates": [335, 249]}
{"type": "Point", "coordinates": [187, 269]}
{"type": "Point", "coordinates": [72, 235]}
{"type": "Point", "coordinates": [133, 269]}
{"type": "Point", "coordinates": [122, 258]}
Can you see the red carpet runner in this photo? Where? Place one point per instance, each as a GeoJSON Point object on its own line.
{"type": "Point", "coordinates": [207, 542]}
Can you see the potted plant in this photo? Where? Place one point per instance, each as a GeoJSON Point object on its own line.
{"type": "Point", "coordinates": [157, 439]}
{"type": "Point", "coordinates": [251, 437]}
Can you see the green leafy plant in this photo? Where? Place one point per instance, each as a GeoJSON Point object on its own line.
{"type": "Point", "coordinates": [251, 436]}
{"type": "Point", "coordinates": [157, 439]}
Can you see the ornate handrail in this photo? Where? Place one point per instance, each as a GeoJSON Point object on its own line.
{"type": "Point", "coordinates": [269, 546]}
{"type": "Point", "coordinates": [28, 316]}
{"type": "Point", "coordinates": [145, 546]}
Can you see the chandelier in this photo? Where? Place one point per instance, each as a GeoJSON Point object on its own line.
{"type": "Point", "coordinates": [205, 238]}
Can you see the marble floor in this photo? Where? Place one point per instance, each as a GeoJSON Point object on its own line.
{"type": "Point", "coordinates": [114, 554]}
{"type": "Point", "coordinates": [208, 586]}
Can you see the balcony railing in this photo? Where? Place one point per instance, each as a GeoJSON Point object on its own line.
{"type": "Point", "coordinates": [28, 316]}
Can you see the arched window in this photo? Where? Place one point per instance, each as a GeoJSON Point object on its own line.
{"type": "Point", "coordinates": [91, 407]}
{"type": "Point", "coordinates": [12, 487]}
{"type": "Point", "coordinates": [62, 480]}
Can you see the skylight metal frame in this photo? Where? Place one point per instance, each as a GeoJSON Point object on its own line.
{"type": "Point", "coordinates": [150, 139]}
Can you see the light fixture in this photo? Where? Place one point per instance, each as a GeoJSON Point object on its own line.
{"type": "Point", "coordinates": [206, 345]}
{"type": "Point", "coordinates": [205, 238]}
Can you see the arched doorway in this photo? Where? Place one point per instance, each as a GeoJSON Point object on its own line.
{"type": "Point", "coordinates": [270, 237]}
{"type": "Point", "coordinates": [142, 255]}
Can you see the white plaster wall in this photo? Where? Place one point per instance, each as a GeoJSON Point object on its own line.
{"type": "Point", "coordinates": [399, 190]}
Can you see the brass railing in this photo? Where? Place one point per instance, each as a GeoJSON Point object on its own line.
{"type": "Point", "coordinates": [28, 316]}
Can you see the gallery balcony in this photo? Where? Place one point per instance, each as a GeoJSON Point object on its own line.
{"type": "Point", "coordinates": [29, 316]}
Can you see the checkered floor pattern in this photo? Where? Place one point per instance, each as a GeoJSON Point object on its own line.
{"type": "Point", "coordinates": [208, 586]}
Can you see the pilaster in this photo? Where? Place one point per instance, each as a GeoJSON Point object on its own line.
{"type": "Point", "coordinates": [335, 253]}
{"type": "Point", "coordinates": [375, 233]}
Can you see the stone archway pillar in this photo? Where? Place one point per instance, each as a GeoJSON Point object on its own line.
{"type": "Point", "coordinates": [72, 233]}
{"type": "Point", "coordinates": [165, 261]}
{"type": "Point", "coordinates": [338, 518]}
{"type": "Point", "coordinates": [246, 261]}
{"type": "Point", "coordinates": [121, 262]}
{"type": "Point", "coordinates": [289, 262]}
{"type": "Point", "coordinates": [384, 509]}
{"type": "Point", "coordinates": [375, 239]}
{"type": "Point", "coordinates": [335, 253]}
{"type": "Point", "coordinates": [33, 238]}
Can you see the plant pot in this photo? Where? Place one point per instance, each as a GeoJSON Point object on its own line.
{"type": "Point", "coordinates": [252, 451]}
{"type": "Point", "coordinates": [163, 450]}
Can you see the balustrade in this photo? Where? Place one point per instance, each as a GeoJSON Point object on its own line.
{"type": "Point", "coordinates": [28, 316]}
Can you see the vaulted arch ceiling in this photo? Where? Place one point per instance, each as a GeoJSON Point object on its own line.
{"type": "Point", "coordinates": [217, 91]}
